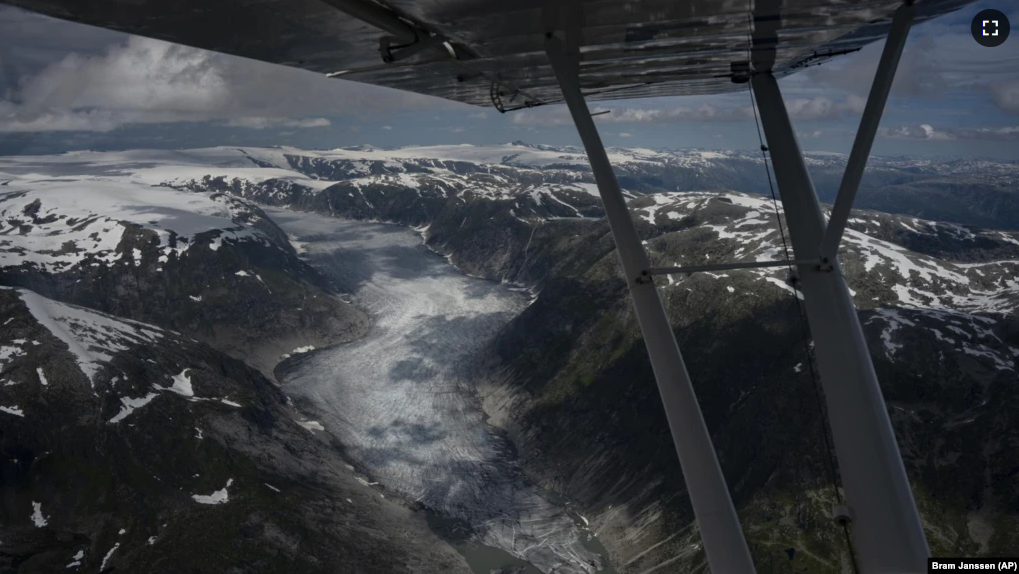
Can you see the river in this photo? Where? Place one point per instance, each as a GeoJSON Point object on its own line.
{"type": "Point", "coordinates": [405, 413]}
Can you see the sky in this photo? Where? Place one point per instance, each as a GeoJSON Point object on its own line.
{"type": "Point", "coordinates": [66, 86]}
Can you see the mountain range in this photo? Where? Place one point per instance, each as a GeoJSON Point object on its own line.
{"type": "Point", "coordinates": [180, 303]}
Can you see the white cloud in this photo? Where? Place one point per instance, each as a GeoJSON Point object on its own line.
{"type": "Point", "coordinates": [140, 76]}
{"type": "Point", "coordinates": [810, 135]}
{"type": "Point", "coordinates": [547, 116]}
{"type": "Point", "coordinates": [806, 109]}
{"type": "Point", "coordinates": [12, 120]}
{"type": "Point", "coordinates": [1006, 95]}
{"type": "Point", "coordinates": [928, 132]}
{"type": "Point", "coordinates": [919, 71]}
{"type": "Point", "coordinates": [701, 113]}
{"type": "Point", "coordinates": [941, 59]}
{"type": "Point", "coordinates": [821, 108]}
{"type": "Point", "coordinates": [387, 127]}
{"type": "Point", "coordinates": [144, 81]}
{"type": "Point", "coordinates": [1007, 133]}
{"type": "Point", "coordinates": [256, 123]}
{"type": "Point", "coordinates": [915, 132]}
{"type": "Point", "coordinates": [625, 134]}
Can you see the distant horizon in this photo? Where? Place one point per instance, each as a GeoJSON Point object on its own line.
{"type": "Point", "coordinates": [573, 147]}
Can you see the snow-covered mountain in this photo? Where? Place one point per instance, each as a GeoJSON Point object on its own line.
{"type": "Point", "coordinates": [69, 223]}
{"type": "Point", "coordinates": [119, 243]}
{"type": "Point", "coordinates": [573, 384]}
{"type": "Point", "coordinates": [977, 192]}
{"type": "Point", "coordinates": [176, 239]}
{"type": "Point", "coordinates": [133, 448]}
{"type": "Point", "coordinates": [78, 211]}
{"type": "Point", "coordinates": [130, 440]}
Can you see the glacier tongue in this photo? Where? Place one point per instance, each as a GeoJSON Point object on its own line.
{"type": "Point", "coordinates": [398, 401]}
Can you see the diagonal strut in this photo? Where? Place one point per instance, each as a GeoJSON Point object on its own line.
{"type": "Point", "coordinates": [887, 532]}
{"type": "Point", "coordinates": [868, 129]}
{"type": "Point", "coordinates": [724, 544]}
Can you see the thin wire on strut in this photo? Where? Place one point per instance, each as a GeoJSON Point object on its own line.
{"type": "Point", "coordinates": [833, 474]}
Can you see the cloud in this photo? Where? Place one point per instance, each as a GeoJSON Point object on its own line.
{"type": "Point", "coordinates": [928, 132]}
{"type": "Point", "coordinates": [625, 134]}
{"type": "Point", "coordinates": [1009, 133]}
{"type": "Point", "coordinates": [918, 132]}
{"type": "Point", "coordinates": [12, 120]}
{"type": "Point", "coordinates": [135, 80]}
{"type": "Point", "coordinates": [806, 109]}
{"type": "Point", "coordinates": [701, 113]}
{"type": "Point", "coordinates": [387, 127]}
{"type": "Point", "coordinates": [1006, 96]}
{"type": "Point", "coordinates": [810, 135]}
{"type": "Point", "coordinates": [940, 61]}
{"type": "Point", "coordinates": [263, 123]}
{"type": "Point", "coordinates": [821, 108]}
{"type": "Point", "coordinates": [919, 73]}
{"type": "Point", "coordinates": [559, 115]}
{"type": "Point", "coordinates": [141, 76]}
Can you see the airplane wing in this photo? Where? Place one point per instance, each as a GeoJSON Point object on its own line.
{"type": "Point", "coordinates": [491, 53]}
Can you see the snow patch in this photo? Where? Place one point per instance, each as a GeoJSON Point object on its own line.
{"type": "Point", "coordinates": [298, 351]}
{"type": "Point", "coordinates": [778, 282]}
{"type": "Point", "coordinates": [182, 384]}
{"type": "Point", "coordinates": [8, 353]}
{"type": "Point", "coordinates": [12, 411]}
{"type": "Point", "coordinates": [312, 425]}
{"type": "Point", "coordinates": [37, 518]}
{"type": "Point", "coordinates": [108, 555]}
{"type": "Point", "coordinates": [217, 497]}
{"type": "Point", "coordinates": [76, 559]}
{"type": "Point", "coordinates": [92, 337]}
{"type": "Point", "coordinates": [129, 405]}
{"type": "Point", "coordinates": [83, 220]}
{"type": "Point", "coordinates": [894, 319]}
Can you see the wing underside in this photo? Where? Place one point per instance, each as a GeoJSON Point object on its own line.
{"type": "Point", "coordinates": [491, 53]}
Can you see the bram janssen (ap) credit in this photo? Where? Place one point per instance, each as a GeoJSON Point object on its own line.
{"type": "Point", "coordinates": [988, 564]}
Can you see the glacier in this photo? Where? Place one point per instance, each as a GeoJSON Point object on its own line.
{"type": "Point", "coordinates": [400, 400]}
